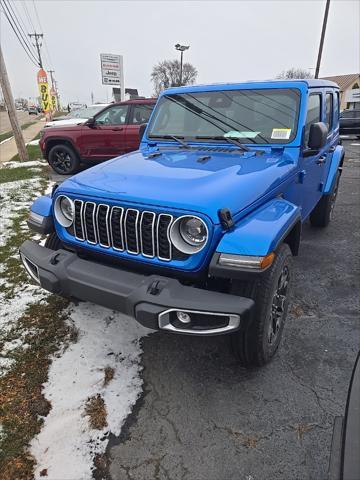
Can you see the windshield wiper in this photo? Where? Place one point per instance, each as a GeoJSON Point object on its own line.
{"type": "Point", "coordinates": [172, 137]}
{"type": "Point", "coordinates": [232, 140]}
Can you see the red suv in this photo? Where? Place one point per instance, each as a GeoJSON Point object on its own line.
{"type": "Point", "coordinates": [110, 133]}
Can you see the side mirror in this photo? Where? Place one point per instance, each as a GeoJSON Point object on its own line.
{"type": "Point", "coordinates": [317, 136]}
{"type": "Point", "coordinates": [142, 130]}
{"type": "Point", "coordinates": [90, 122]}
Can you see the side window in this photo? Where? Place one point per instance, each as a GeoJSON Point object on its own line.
{"type": "Point", "coordinates": [313, 114]}
{"type": "Point", "coordinates": [115, 115]}
{"type": "Point", "coordinates": [329, 111]}
{"type": "Point", "coordinates": [336, 110]}
{"type": "Point", "coordinates": [141, 114]}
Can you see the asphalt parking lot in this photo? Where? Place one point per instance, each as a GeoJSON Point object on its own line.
{"type": "Point", "coordinates": [202, 417]}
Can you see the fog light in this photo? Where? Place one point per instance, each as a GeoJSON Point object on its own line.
{"type": "Point", "coordinates": [183, 317]}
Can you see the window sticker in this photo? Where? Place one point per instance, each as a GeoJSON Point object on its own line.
{"type": "Point", "coordinates": [236, 134]}
{"type": "Point", "coordinates": [281, 133]}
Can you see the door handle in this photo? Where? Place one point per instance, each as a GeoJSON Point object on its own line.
{"type": "Point", "coordinates": [321, 160]}
{"type": "Point", "coordinates": [117, 129]}
{"type": "Point", "coordinates": [332, 149]}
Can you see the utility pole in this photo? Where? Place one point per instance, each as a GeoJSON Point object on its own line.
{"type": "Point", "coordinates": [37, 44]}
{"type": "Point", "coordinates": [322, 38]}
{"type": "Point", "coordinates": [10, 105]}
{"type": "Point", "coordinates": [53, 84]}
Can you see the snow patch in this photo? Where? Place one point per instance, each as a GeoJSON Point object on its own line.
{"type": "Point", "coordinates": [66, 445]}
{"type": "Point", "coordinates": [30, 163]}
{"type": "Point", "coordinates": [14, 197]}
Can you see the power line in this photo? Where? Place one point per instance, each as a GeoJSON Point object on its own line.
{"type": "Point", "coordinates": [28, 15]}
{"type": "Point", "coordinates": [17, 23]}
{"type": "Point", "coordinates": [41, 29]}
{"type": "Point", "coordinates": [18, 15]}
{"type": "Point", "coordinates": [19, 37]}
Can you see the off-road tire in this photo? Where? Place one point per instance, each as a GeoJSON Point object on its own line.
{"type": "Point", "coordinates": [322, 213]}
{"type": "Point", "coordinates": [251, 345]}
{"type": "Point", "coordinates": [64, 160]}
{"type": "Point", "coordinates": [53, 242]}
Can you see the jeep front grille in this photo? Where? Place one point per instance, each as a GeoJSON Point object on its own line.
{"type": "Point", "coordinates": [124, 229]}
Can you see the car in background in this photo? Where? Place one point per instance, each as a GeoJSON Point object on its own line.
{"type": "Point", "coordinates": [77, 116]}
{"type": "Point", "coordinates": [33, 111]}
{"type": "Point", "coordinates": [350, 122]}
{"type": "Point", "coordinates": [109, 133]}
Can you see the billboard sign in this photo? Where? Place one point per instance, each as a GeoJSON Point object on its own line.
{"type": "Point", "coordinates": [112, 69]}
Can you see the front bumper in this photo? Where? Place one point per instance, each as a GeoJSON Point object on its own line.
{"type": "Point", "coordinates": [152, 300]}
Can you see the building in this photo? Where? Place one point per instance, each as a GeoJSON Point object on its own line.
{"type": "Point", "coordinates": [349, 90]}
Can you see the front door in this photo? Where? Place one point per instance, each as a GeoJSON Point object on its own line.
{"type": "Point", "coordinates": [107, 138]}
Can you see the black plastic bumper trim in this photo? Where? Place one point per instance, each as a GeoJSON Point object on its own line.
{"type": "Point", "coordinates": [130, 293]}
{"type": "Point", "coordinates": [46, 227]}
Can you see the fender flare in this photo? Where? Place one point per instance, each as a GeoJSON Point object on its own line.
{"type": "Point", "coordinates": [42, 206]}
{"type": "Point", "coordinates": [336, 164]}
{"type": "Point", "coordinates": [261, 232]}
{"type": "Point", "coordinates": [60, 140]}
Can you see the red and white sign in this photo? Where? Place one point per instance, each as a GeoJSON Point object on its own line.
{"type": "Point", "coordinates": [112, 72]}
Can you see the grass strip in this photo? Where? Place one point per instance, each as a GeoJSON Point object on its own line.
{"type": "Point", "coordinates": [34, 153]}
{"type": "Point", "coordinates": [20, 173]}
{"type": "Point", "coordinates": [5, 135]}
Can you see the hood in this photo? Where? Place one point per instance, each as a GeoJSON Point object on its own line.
{"type": "Point", "coordinates": [66, 123]}
{"type": "Point", "coordinates": [186, 180]}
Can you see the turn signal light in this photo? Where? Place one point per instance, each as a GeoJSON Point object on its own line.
{"type": "Point", "coordinates": [246, 261]}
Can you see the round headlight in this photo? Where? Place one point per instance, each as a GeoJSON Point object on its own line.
{"type": "Point", "coordinates": [64, 210]}
{"type": "Point", "coordinates": [189, 234]}
{"type": "Point", "coordinates": [193, 231]}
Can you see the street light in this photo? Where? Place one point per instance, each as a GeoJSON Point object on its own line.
{"type": "Point", "coordinates": [181, 49]}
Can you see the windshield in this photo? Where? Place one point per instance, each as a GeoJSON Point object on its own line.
{"type": "Point", "coordinates": [85, 112]}
{"type": "Point", "coordinates": [250, 116]}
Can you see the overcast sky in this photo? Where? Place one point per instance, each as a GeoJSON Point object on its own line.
{"type": "Point", "coordinates": [229, 41]}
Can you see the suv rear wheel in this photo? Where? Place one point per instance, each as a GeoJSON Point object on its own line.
{"type": "Point", "coordinates": [259, 341]}
{"type": "Point", "coordinates": [323, 212]}
{"type": "Point", "coordinates": [64, 160]}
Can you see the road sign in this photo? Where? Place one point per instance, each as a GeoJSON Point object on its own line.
{"type": "Point", "coordinates": [111, 69]}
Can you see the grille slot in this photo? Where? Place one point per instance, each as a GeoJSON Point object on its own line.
{"type": "Point", "coordinates": [89, 221]}
{"type": "Point", "coordinates": [147, 237]}
{"type": "Point", "coordinates": [163, 241]}
{"type": "Point", "coordinates": [116, 229]}
{"type": "Point", "coordinates": [103, 225]}
{"type": "Point", "coordinates": [137, 232]}
{"type": "Point", "coordinates": [78, 223]}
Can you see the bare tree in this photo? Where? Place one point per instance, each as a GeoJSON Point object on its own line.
{"type": "Point", "coordinates": [167, 74]}
{"type": "Point", "coordinates": [295, 73]}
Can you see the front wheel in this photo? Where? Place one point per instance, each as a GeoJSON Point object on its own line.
{"type": "Point", "coordinates": [255, 345]}
{"type": "Point", "coordinates": [323, 212]}
{"type": "Point", "coordinates": [64, 160]}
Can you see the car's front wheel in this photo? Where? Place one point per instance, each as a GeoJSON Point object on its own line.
{"type": "Point", "coordinates": [256, 344]}
{"type": "Point", "coordinates": [64, 160]}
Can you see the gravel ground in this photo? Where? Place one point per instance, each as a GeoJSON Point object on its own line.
{"type": "Point", "coordinates": [201, 417]}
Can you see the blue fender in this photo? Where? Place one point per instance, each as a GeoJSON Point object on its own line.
{"type": "Point", "coordinates": [263, 230]}
{"type": "Point", "coordinates": [336, 159]}
{"type": "Point", "coordinates": [42, 206]}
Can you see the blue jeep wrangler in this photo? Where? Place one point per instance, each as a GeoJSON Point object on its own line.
{"type": "Point", "coordinates": [194, 233]}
